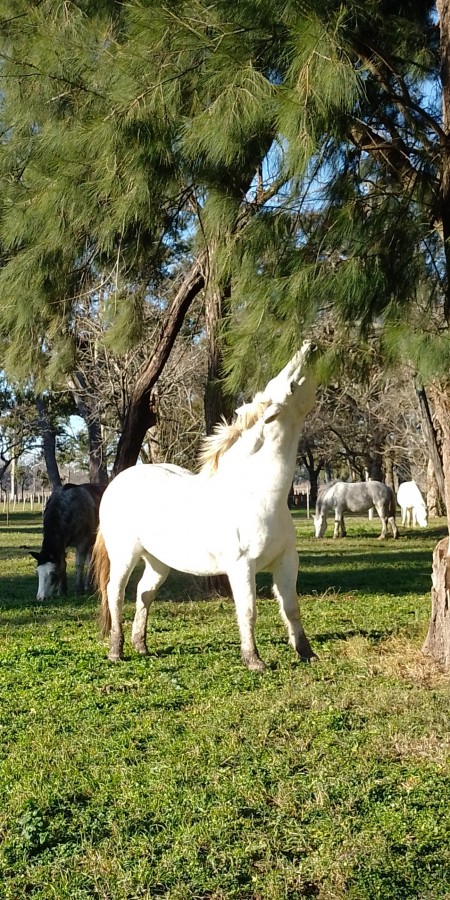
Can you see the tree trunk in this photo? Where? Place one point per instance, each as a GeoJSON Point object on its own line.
{"type": "Point", "coordinates": [216, 404]}
{"type": "Point", "coordinates": [437, 641]}
{"type": "Point", "coordinates": [141, 413]}
{"type": "Point", "coordinates": [434, 502]}
{"type": "Point", "coordinates": [374, 459]}
{"type": "Point", "coordinates": [97, 466]}
{"type": "Point", "coordinates": [389, 471]}
{"type": "Point", "coordinates": [431, 439]}
{"type": "Point", "coordinates": [443, 9]}
{"type": "Point", "coordinates": [48, 444]}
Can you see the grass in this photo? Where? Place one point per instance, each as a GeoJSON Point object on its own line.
{"type": "Point", "coordinates": [183, 776]}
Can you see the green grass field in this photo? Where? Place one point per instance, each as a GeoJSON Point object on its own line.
{"type": "Point", "coordinates": [183, 776]}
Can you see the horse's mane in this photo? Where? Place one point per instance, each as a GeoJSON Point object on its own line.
{"type": "Point", "coordinates": [325, 486]}
{"type": "Point", "coordinates": [225, 435]}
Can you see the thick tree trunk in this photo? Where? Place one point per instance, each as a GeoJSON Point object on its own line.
{"type": "Point", "coordinates": [48, 444]}
{"type": "Point", "coordinates": [443, 9]}
{"type": "Point", "coordinates": [97, 466]}
{"type": "Point", "coordinates": [437, 641]}
{"type": "Point", "coordinates": [216, 404]}
{"type": "Point", "coordinates": [431, 439]}
{"type": "Point", "coordinates": [434, 502]}
{"type": "Point", "coordinates": [141, 413]}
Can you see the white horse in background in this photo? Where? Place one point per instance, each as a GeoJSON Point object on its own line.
{"type": "Point", "coordinates": [412, 505]}
{"type": "Point", "coordinates": [231, 517]}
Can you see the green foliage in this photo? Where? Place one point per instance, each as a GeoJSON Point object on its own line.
{"type": "Point", "coordinates": [135, 133]}
{"type": "Point", "coordinates": [183, 775]}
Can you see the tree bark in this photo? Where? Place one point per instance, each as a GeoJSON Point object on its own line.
{"type": "Point", "coordinates": [141, 413]}
{"type": "Point", "coordinates": [435, 504]}
{"type": "Point", "coordinates": [437, 641]}
{"type": "Point", "coordinates": [48, 444]}
{"type": "Point", "coordinates": [431, 439]}
{"type": "Point", "coordinates": [97, 466]}
{"type": "Point", "coordinates": [216, 403]}
{"type": "Point", "coordinates": [443, 9]}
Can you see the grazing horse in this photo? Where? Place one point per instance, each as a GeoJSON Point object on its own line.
{"type": "Point", "coordinates": [231, 517]}
{"type": "Point", "coordinates": [356, 497]}
{"type": "Point", "coordinates": [412, 504]}
{"type": "Point", "coordinates": [70, 520]}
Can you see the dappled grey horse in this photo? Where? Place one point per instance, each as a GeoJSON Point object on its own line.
{"type": "Point", "coordinates": [70, 520]}
{"type": "Point", "coordinates": [355, 497]}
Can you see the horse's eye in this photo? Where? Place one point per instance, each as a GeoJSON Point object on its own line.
{"type": "Point", "coordinates": [54, 578]}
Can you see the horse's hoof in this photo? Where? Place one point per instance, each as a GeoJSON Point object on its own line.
{"type": "Point", "coordinates": [141, 649]}
{"type": "Point", "coordinates": [312, 660]}
{"type": "Point", "coordinates": [114, 656]}
{"type": "Point", "coordinates": [254, 664]}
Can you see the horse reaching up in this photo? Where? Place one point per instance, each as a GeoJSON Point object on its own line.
{"type": "Point", "coordinates": [232, 517]}
{"type": "Point", "coordinates": [70, 520]}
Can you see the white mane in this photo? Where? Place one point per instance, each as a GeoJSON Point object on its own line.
{"type": "Point", "coordinates": [225, 435]}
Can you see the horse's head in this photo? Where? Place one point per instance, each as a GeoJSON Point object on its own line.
{"type": "Point", "coordinates": [421, 515]}
{"type": "Point", "coordinates": [48, 576]}
{"type": "Point", "coordinates": [295, 383]}
{"type": "Point", "coordinates": [320, 524]}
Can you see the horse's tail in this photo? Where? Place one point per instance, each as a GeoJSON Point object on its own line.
{"type": "Point", "coordinates": [100, 572]}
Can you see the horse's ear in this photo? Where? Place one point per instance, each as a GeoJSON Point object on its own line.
{"type": "Point", "coordinates": [272, 412]}
{"type": "Point", "coordinates": [34, 555]}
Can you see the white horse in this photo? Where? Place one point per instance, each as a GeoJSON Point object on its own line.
{"type": "Point", "coordinates": [232, 517]}
{"type": "Point", "coordinates": [412, 505]}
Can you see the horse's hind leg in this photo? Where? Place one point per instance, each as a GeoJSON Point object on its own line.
{"type": "Point", "coordinates": [285, 573]}
{"type": "Point", "coordinates": [63, 577]}
{"type": "Point", "coordinates": [243, 585]}
{"type": "Point", "coordinates": [118, 580]}
{"type": "Point", "coordinates": [391, 520]}
{"type": "Point", "coordinates": [154, 575]}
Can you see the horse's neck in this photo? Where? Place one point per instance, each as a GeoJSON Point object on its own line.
{"type": "Point", "coordinates": [279, 455]}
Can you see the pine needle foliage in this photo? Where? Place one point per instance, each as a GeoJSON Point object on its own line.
{"type": "Point", "coordinates": [297, 142]}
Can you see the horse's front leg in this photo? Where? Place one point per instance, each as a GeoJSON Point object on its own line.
{"type": "Point", "coordinates": [242, 579]}
{"type": "Point", "coordinates": [285, 573]}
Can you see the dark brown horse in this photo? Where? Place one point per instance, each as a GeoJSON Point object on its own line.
{"type": "Point", "coordinates": [70, 520]}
